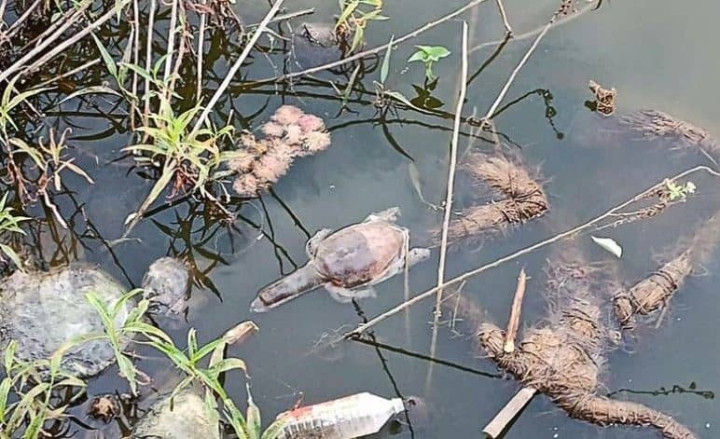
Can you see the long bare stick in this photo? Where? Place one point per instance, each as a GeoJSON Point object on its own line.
{"type": "Point", "coordinates": [449, 197]}
{"type": "Point", "coordinates": [506, 23]}
{"type": "Point", "coordinates": [517, 69]}
{"type": "Point", "coordinates": [532, 33]}
{"type": "Point", "coordinates": [200, 51]}
{"type": "Point", "coordinates": [514, 320]}
{"type": "Point", "coordinates": [136, 60]}
{"type": "Point", "coordinates": [60, 48]}
{"type": "Point", "coordinates": [148, 61]}
{"type": "Point", "coordinates": [171, 43]}
{"type": "Point", "coordinates": [3, 5]}
{"type": "Point", "coordinates": [233, 70]}
{"type": "Point", "coordinates": [182, 14]}
{"type": "Point", "coordinates": [20, 64]}
{"type": "Point", "coordinates": [375, 50]}
{"type": "Point", "coordinates": [525, 250]}
{"type": "Point", "coordinates": [17, 24]}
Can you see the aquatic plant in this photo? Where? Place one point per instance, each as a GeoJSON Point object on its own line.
{"type": "Point", "coordinates": [9, 224]}
{"type": "Point", "coordinates": [289, 134]}
{"type": "Point", "coordinates": [27, 409]}
{"type": "Point", "coordinates": [429, 55]}
{"type": "Point", "coordinates": [353, 20]}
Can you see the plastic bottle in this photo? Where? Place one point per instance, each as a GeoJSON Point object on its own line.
{"type": "Point", "coordinates": [345, 418]}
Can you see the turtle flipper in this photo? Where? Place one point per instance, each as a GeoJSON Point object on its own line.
{"type": "Point", "coordinates": [344, 295]}
{"type": "Point", "coordinates": [389, 215]}
{"type": "Point", "coordinates": [315, 240]}
{"type": "Point", "coordinates": [417, 255]}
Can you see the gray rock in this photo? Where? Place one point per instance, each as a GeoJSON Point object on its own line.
{"type": "Point", "coordinates": [184, 416]}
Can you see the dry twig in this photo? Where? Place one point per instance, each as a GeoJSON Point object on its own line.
{"type": "Point", "coordinates": [449, 197]}
{"type": "Point", "coordinates": [233, 70]}
{"type": "Point", "coordinates": [514, 321]}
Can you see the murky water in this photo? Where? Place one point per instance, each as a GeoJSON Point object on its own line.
{"type": "Point", "coordinates": [657, 54]}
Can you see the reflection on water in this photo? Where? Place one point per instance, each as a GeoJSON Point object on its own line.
{"type": "Point", "coordinates": [640, 47]}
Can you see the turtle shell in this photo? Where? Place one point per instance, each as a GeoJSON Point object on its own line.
{"type": "Point", "coordinates": [358, 254]}
{"type": "Point", "coordinates": [41, 311]}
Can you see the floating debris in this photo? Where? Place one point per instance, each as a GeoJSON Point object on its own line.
{"type": "Point", "coordinates": [289, 134]}
{"type": "Point", "coordinates": [655, 291]}
{"type": "Point", "coordinates": [562, 357]}
{"type": "Point", "coordinates": [350, 417]}
{"type": "Point", "coordinates": [654, 124]}
{"type": "Point", "coordinates": [524, 200]}
{"type": "Point", "coordinates": [609, 245]}
{"type": "Point", "coordinates": [604, 99]}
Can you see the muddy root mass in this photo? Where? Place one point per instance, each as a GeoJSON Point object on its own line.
{"type": "Point", "coordinates": [655, 124]}
{"type": "Point", "coordinates": [563, 356]}
{"type": "Point", "coordinates": [654, 292]}
{"type": "Point", "coordinates": [521, 199]}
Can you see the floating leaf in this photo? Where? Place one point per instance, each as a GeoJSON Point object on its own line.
{"type": "Point", "coordinates": [386, 62]}
{"type": "Point", "coordinates": [608, 245]}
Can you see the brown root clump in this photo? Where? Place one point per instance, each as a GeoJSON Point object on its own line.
{"type": "Point", "coordinates": [654, 124]}
{"type": "Point", "coordinates": [563, 356]}
{"type": "Point", "coordinates": [655, 291]}
{"type": "Point", "coordinates": [288, 135]}
{"type": "Point", "coordinates": [522, 199]}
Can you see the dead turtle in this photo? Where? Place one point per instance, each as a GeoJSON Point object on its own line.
{"type": "Point", "coordinates": [43, 310]}
{"type": "Point", "coordinates": [347, 262]}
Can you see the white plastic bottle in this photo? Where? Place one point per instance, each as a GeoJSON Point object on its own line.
{"type": "Point", "coordinates": [345, 418]}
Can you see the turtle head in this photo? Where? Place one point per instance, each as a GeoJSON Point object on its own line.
{"type": "Point", "coordinates": [302, 280]}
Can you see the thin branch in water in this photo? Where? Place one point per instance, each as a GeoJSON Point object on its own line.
{"type": "Point", "coordinates": [20, 64]}
{"type": "Point", "coordinates": [182, 14]}
{"type": "Point", "coordinates": [234, 69]}
{"type": "Point", "coordinates": [148, 62]}
{"type": "Point", "coordinates": [375, 50]}
{"type": "Point", "coordinates": [60, 48]}
{"type": "Point", "coordinates": [136, 60]}
{"type": "Point", "coordinates": [201, 45]}
{"type": "Point", "coordinates": [449, 197]}
{"type": "Point", "coordinates": [527, 250]}
{"type": "Point", "coordinates": [170, 42]}
{"type": "Point", "coordinates": [514, 321]}
{"type": "Point", "coordinates": [16, 25]}
{"type": "Point", "coordinates": [517, 69]}
{"type": "Point", "coordinates": [532, 33]}
{"type": "Point", "coordinates": [506, 23]}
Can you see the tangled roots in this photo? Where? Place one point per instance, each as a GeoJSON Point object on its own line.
{"type": "Point", "coordinates": [523, 200]}
{"type": "Point", "coordinates": [654, 124]}
{"type": "Point", "coordinates": [562, 358]}
{"type": "Point", "coordinates": [655, 291]}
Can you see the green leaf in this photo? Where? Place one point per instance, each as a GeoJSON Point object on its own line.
{"type": "Point", "coordinates": [97, 89]}
{"type": "Point", "coordinates": [349, 9]}
{"type": "Point", "coordinates": [386, 62]}
{"type": "Point", "coordinates": [418, 56]}
{"type": "Point", "coordinates": [107, 58]}
{"type": "Point", "coordinates": [435, 53]}
{"type": "Point", "coordinates": [254, 421]}
{"type": "Point", "coordinates": [357, 38]}
{"type": "Point", "coordinates": [10, 253]}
